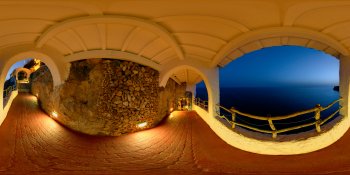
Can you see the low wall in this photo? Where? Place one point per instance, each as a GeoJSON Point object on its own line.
{"type": "Point", "coordinates": [271, 147]}
{"type": "Point", "coordinates": [8, 105]}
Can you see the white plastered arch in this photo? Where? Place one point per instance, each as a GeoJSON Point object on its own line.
{"type": "Point", "coordinates": [278, 32]}
{"type": "Point", "coordinates": [210, 77]}
{"type": "Point", "coordinates": [295, 146]}
{"type": "Point", "coordinates": [21, 69]}
{"type": "Point", "coordinates": [112, 54]}
{"type": "Point", "coordinates": [105, 19]}
{"type": "Point", "coordinates": [12, 55]}
{"type": "Point", "coordinates": [56, 76]}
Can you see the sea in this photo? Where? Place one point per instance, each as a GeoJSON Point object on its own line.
{"type": "Point", "coordinates": [276, 101]}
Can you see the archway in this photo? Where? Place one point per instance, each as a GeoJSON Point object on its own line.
{"type": "Point", "coordinates": [12, 59]}
{"type": "Point", "coordinates": [22, 74]}
{"type": "Point", "coordinates": [279, 81]}
{"type": "Point", "coordinates": [290, 36]}
{"type": "Point", "coordinates": [200, 72]}
{"type": "Point", "coordinates": [201, 95]}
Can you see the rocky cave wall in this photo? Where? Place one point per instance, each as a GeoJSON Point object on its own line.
{"type": "Point", "coordinates": [106, 97]}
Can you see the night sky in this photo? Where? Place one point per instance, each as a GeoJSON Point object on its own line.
{"type": "Point", "coordinates": [281, 66]}
{"type": "Point", "coordinates": [15, 66]}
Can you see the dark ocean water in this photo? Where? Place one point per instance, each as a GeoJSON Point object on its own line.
{"type": "Point", "coordinates": [276, 101]}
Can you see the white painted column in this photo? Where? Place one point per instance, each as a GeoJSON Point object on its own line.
{"type": "Point", "coordinates": [344, 77]}
{"type": "Point", "coordinates": [213, 88]}
{"type": "Point", "coordinates": [191, 88]}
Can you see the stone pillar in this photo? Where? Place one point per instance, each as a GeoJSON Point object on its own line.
{"type": "Point", "coordinates": [344, 77]}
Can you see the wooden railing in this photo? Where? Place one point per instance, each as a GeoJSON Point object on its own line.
{"type": "Point", "coordinates": [201, 103]}
{"type": "Point", "coordinates": [318, 122]}
{"type": "Point", "coordinates": [7, 93]}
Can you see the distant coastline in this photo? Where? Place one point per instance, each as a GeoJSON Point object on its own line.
{"type": "Point", "coordinates": [273, 100]}
{"type": "Point", "coordinates": [336, 88]}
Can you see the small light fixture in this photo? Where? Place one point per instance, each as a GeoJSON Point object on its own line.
{"type": "Point", "coordinates": [54, 114]}
{"type": "Point", "coordinates": [171, 109]}
{"type": "Point", "coordinates": [142, 125]}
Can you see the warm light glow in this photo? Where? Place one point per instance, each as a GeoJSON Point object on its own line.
{"type": "Point", "coordinates": [171, 115]}
{"type": "Point", "coordinates": [142, 125]}
{"type": "Point", "coordinates": [54, 114]}
{"type": "Point", "coordinates": [36, 65]}
{"type": "Point", "coordinates": [171, 109]}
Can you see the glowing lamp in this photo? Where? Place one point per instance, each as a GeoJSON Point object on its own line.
{"type": "Point", "coordinates": [142, 125]}
{"type": "Point", "coordinates": [171, 109]}
{"type": "Point", "coordinates": [54, 114]}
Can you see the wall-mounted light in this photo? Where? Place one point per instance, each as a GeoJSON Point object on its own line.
{"type": "Point", "coordinates": [142, 125]}
{"type": "Point", "coordinates": [54, 114]}
{"type": "Point", "coordinates": [171, 109]}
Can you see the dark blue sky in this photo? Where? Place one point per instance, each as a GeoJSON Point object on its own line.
{"type": "Point", "coordinates": [15, 66]}
{"type": "Point", "coordinates": [281, 66]}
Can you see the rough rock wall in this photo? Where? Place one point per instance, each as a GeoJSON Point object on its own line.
{"type": "Point", "coordinates": [168, 96]}
{"type": "Point", "coordinates": [42, 87]}
{"type": "Point", "coordinates": [106, 97]}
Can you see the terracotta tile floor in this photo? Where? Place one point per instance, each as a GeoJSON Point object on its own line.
{"type": "Point", "coordinates": [33, 143]}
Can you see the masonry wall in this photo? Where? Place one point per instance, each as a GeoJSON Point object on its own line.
{"type": "Point", "coordinates": [106, 97]}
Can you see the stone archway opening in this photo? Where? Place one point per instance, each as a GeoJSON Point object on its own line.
{"type": "Point", "coordinates": [192, 76]}
{"type": "Point", "coordinates": [21, 75]}
{"type": "Point", "coordinates": [188, 78]}
{"type": "Point", "coordinates": [14, 55]}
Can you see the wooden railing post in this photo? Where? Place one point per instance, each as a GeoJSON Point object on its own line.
{"type": "Point", "coordinates": [317, 117]}
{"type": "Point", "coordinates": [233, 119]}
{"type": "Point", "coordinates": [273, 128]}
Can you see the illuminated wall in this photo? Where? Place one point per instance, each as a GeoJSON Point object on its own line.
{"type": "Point", "coordinates": [105, 97]}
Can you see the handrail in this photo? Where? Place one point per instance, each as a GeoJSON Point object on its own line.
{"type": "Point", "coordinates": [201, 103]}
{"type": "Point", "coordinates": [273, 130]}
{"type": "Point", "coordinates": [274, 118]}
{"type": "Point", "coordinates": [330, 105]}
{"type": "Point", "coordinates": [9, 89]}
{"type": "Point", "coordinates": [7, 93]}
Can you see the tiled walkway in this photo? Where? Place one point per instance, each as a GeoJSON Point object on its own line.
{"type": "Point", "coordinates": [32, 143]}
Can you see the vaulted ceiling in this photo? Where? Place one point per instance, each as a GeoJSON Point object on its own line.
{"type": "Point", "coordinates": [213, 32]}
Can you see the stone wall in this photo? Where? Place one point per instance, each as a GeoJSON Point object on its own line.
{"type": "Point", "coordinates": [168, 96]}
{"type": "Point", "coordinates": [106, 97]}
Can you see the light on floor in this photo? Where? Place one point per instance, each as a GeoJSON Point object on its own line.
{"type": "Point", "coordinates": [142, 125]}
{"type": "Point", "coordinates": [54, 114]}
